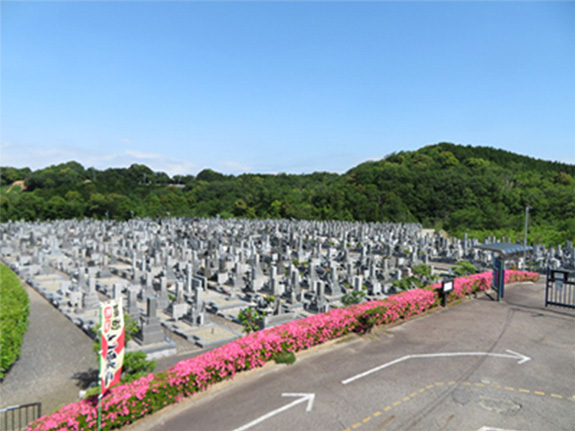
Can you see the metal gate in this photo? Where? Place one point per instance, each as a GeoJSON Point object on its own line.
{"type": "Point", "coordinates": [560, 288]}
{"type": "Point", "coordinates": [18, 417]}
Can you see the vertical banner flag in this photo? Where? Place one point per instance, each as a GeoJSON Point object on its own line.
{"type": "Point", "coordinates": [111, 343]}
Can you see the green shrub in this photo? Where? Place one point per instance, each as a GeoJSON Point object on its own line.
{"type": "Point", "coordinates": [136, 365]}
{"type": "Point", "coordinates": [285, 358]}
{"type": "Point", "coordinates": [368, 319]}
{"type": "Point", "coordinates": [462, 269]}
{"type": "Point", "coordinates": [14, 310]}
{"type": "Point", "coordinates": [251, 318]}
{"type": "Point", "coordinates": [353, 297]}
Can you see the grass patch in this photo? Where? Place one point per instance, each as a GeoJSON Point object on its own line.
{"type": "Point", "coordinates": [12, 190]}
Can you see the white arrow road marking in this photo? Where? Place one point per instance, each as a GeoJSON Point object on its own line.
{"type": "Point", "coordinates": [513, 355]}
{"type": "Point", "coordinates": [302, 398]}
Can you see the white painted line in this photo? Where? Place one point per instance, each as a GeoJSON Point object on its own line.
{"type": "Point", "coordinates": [373, 370]}
{"type": "Point", "coordinates": [484, 428]}
{"type": "Point", "coordinates": [513, 355]}
{"type": "Point", "coordinates": [302, 398]}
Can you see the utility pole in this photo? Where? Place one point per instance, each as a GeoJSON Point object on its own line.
{"type": "Point", "coordinates": [525, 238]}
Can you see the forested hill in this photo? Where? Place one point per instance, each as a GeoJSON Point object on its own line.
{"type": "Point", "coordinates": [458, 188]}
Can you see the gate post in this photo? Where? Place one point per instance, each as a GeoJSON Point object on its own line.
{"type": "Point", "coordinates": [547, 287]}
{"type": "Point", "coordinates": [498, 278]}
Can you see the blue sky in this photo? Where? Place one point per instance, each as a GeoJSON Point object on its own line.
{"type": "Point", "coordinates": [273, 87]}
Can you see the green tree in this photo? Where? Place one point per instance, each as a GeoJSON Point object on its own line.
{"type": "Point", "coordinates": [29, 206]}
{"type": "Point", "coordinates": [58, 208]}
{"type": "Point", "coordinates": [241, 209]}
{"type": "Point", "coordinates": [275, 209]}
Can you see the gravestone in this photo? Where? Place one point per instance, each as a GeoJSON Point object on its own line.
{"type": "Point", "coordinates": [133, 309]}
{"type": "Point", "coordinates": [151, 331]}
{"type": "Point", "coordinates": [163, 299]}
{"type": "Point", "coordinates": [90, 299]}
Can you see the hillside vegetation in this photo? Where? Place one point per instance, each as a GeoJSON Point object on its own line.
{"type": "Point", "coordinates": [458, 188]}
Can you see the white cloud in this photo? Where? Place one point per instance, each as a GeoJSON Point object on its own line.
{"type": "Point", "coordinates": [20, 156]}
{"type": "Point", "coordinates": [180, 168]}
{"type": "Point", "coordinates": [144, 156]}
{"type": "Point", "coordinates": [232, 167]}
{"type": "Point", "coordinates": [101, 157]}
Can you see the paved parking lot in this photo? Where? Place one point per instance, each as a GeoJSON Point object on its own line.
{"type": "Point", "coordinates": [480, 364]}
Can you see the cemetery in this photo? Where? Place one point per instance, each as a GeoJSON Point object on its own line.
{"type": "Point", "coordinates": [186, 276]}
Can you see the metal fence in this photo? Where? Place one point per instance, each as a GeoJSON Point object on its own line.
{"type": "Point", "coordinates": [560, 288]}
{"type": "Point", "coordinates": [17, 418]}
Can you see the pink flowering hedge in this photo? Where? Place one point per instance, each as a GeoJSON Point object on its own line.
{"type": "Point", "coordinates": [482, 281]}
{"type": "Point", "coordinates": [125, 403]}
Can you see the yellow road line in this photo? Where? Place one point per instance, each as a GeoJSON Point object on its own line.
{"type": "Point", "coordinates": [451, 383]}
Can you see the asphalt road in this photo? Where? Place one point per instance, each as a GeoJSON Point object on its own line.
{"type": "Point", "coordinates": [475, 366]}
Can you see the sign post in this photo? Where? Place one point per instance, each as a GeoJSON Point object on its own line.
{"type": "Point", "coordinates": [446, 287]}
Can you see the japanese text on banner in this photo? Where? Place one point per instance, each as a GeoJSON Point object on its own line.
{"type": "Point", "coordinates": [112, 343]}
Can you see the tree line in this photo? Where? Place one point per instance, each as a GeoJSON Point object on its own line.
{"type": "Point", "coordinates": [479, 190]}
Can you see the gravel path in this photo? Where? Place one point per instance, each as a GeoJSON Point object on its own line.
{"type": "Point", "coordinates": [54, 353]}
